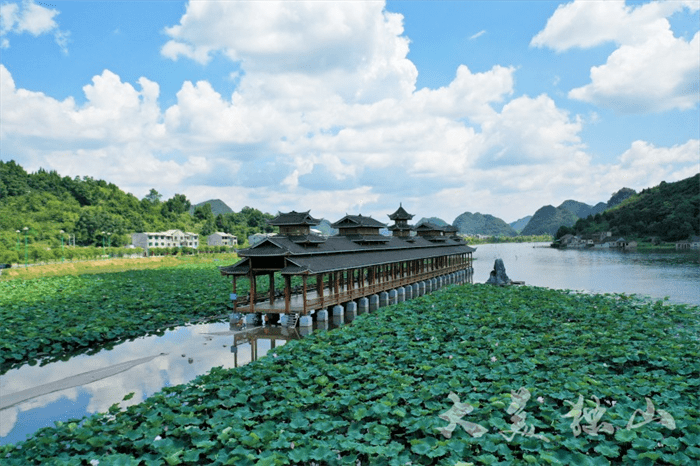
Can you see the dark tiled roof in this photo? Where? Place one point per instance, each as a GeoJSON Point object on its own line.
{"type": "Point", "coordinates": [368, 238]}
{"type": "Point", "coordinates": [240, 268]}
{"type": "Point", "coordinates": [358, 221]}
{"type": "Point", "coordinates": [428, 226]}
{"type": "Point", "coordinates": [339, 252]}
{"type": "Point", "coordinates": [307, 239]}
{"type": "Point", "coordinates": [294, 218]}
{"type": "Point", "coordinates": [401, 214]}
{"type": "Point", "coordinates": [400, 227]}
{"type": "Point", "coordinates": [330, 263]}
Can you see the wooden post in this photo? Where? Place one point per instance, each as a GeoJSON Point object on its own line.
{"type": "Point", "coordinates": [252, 291]}
{"type": "Point", "coordinates": [235, 301]}
{"type": "Point", "coordinates": [303, 279]}
{"type": "Point", "coordinates": [336, 277]}
{"type": "Point", "coordinates": [287, 293]}
{"type": "Point", "coordinates": [319, 287]}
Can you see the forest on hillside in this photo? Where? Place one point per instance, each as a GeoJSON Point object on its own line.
{"type": "Point", "coordinates": [669, 212]}
{"type": "Point", "coordinates": [91, 212]}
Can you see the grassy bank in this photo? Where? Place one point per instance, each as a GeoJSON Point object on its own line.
{"type": "Point", "coordinates": [374, 392]}
{"type": "Point", "coordinates": [60, 269]}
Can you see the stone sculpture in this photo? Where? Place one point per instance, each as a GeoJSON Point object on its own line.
{"type": "Point", "coordinates": [498, 274]}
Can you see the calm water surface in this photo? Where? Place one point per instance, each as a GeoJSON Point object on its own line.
{"type": "Point", "coordinates": [675, 275]}
{"type": "Point", "coordinates": [147, 364]}
{"type": "Point", "coordinates": [32, 397]}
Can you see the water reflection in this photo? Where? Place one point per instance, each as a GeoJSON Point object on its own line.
{"type": "Point", "coordinates": [36, 396]}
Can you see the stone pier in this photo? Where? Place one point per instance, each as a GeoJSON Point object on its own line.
{"type": "Point", "coordinates": [383, 299]}
{"type": "Point", "coordinates": [306, 321]}
{"type": "Point", "coordinates": [363, 305]}
{"type": "Point", "coordinates": [393, 297]}
{"type": "Point", "coordinates": [351, 309]}
{"type": "Point", "coordinates": [400, 294]}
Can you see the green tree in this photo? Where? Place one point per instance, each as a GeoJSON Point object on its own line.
{"type": "Point", "coordinates": [153, 197]}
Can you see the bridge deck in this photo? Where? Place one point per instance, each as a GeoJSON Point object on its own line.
{"type": "Point", "coordinates": [344, 293]}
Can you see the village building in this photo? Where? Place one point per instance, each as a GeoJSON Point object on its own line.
{"type": "Point", "coordinates": [222, 239]}
{"type": "Point", "coordinates": [691, 243]}
{"type": "Point", "coordinates": [165, 239]}
{"type": "Point", "coordinates": [357, 270]}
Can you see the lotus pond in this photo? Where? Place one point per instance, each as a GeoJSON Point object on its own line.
{"type": "Point", "coordinates": [53, 318]}
{"type": "Point", "coordinates": [470, 374]}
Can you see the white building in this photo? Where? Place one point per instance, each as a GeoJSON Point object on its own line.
{"type": "Point", "coordinates": [165, 239]}
{"type": "Point", "coordinates": [222, 239]}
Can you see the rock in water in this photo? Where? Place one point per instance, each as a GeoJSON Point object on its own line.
{"type": "Point", "coordinates": [498, 274]}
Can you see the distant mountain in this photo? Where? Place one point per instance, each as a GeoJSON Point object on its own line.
{"type": "Point", "coordinates": [518, 225]}
{"type": "Point", "coordinates": [548, 219]}
{"type": "Point", "coordinates": [582, 210]}
{"type": "Point", "coordinates": [620, 196]}
{"type": "Point", "coordinates": [599, 208]}
{"type": "Point", "coordinates": [434, 220]}
{"type": "Point", "coordinates": [217, 207]}
{"type": "Point", "coordinates": [325, 228]}
{"type": "Point", "coordinates": [480, 224]}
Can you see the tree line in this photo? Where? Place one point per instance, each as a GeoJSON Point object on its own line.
{"type": "Point", "coordinates": [36, 207]}
{"type": "Point", "coordinates": [667, 212]}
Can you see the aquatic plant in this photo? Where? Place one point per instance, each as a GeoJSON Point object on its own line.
{"type": "Point", "coordinates": [526, 375]}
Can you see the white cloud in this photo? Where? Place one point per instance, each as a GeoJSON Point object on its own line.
{"type": "Point", "coordinates": [341, 45]}
{"type": "Point", "coordinates": [650, 71]}
{"type": "Point", "coordinates": [348, 133]}
{"type": "Point", "coordinates": [532, 131]}
{"type": "Point", "coordinates": [660, 74]}
{"type": "Point", "coordinates": [32, 18]}
{"type": "Point", "coordinates": [477, 35]}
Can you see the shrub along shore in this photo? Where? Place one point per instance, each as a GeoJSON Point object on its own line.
{"type": "Point", "coordinates": [527, 375]}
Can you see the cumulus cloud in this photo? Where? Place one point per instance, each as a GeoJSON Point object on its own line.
{"type": "Point", "coordinates": [340, 45]}
{"type": "Point", "coordinates": [18, 18]}
{"type": "Point", "coordinates": [338, 129]}
{"type": "Point", "coordinates": [650, 71]}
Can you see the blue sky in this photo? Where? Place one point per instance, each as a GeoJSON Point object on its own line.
{"type": "Point", "coordinates": [496, 107]}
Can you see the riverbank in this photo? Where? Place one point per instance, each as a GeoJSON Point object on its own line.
{"type": "Point", "coordinates": [393, 388]}
{"type": "Point", "coordinates": [109, 265]}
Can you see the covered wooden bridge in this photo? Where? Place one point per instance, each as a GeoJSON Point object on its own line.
{"type": "Point", "coordinates": [359, 264]}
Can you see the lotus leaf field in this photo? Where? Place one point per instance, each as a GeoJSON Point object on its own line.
{"type": "Point", "coordinates": [50, 318]}
{"type": "Point", "coordinates": [471, 374]}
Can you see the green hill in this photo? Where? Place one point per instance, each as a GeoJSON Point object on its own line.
{"type": "Point", "coordinates": [548, 219]}
{"type": "Point", "coordinates": [620, 196]}
{"type": "Point", "coordinates": [480, 224]}
{"type": "Point", "coordinates": [518, 225]}
{"type": "Point", "coordinates": [217, 207]}
{"type": "Point", "coordinates": [669, 211]}
{"type": "Point", "coordinates": [583, 210]}
{"type": "Point", "coordinates": [91, 211]}
{"type": "Point", "coordinates": [434, 220]}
